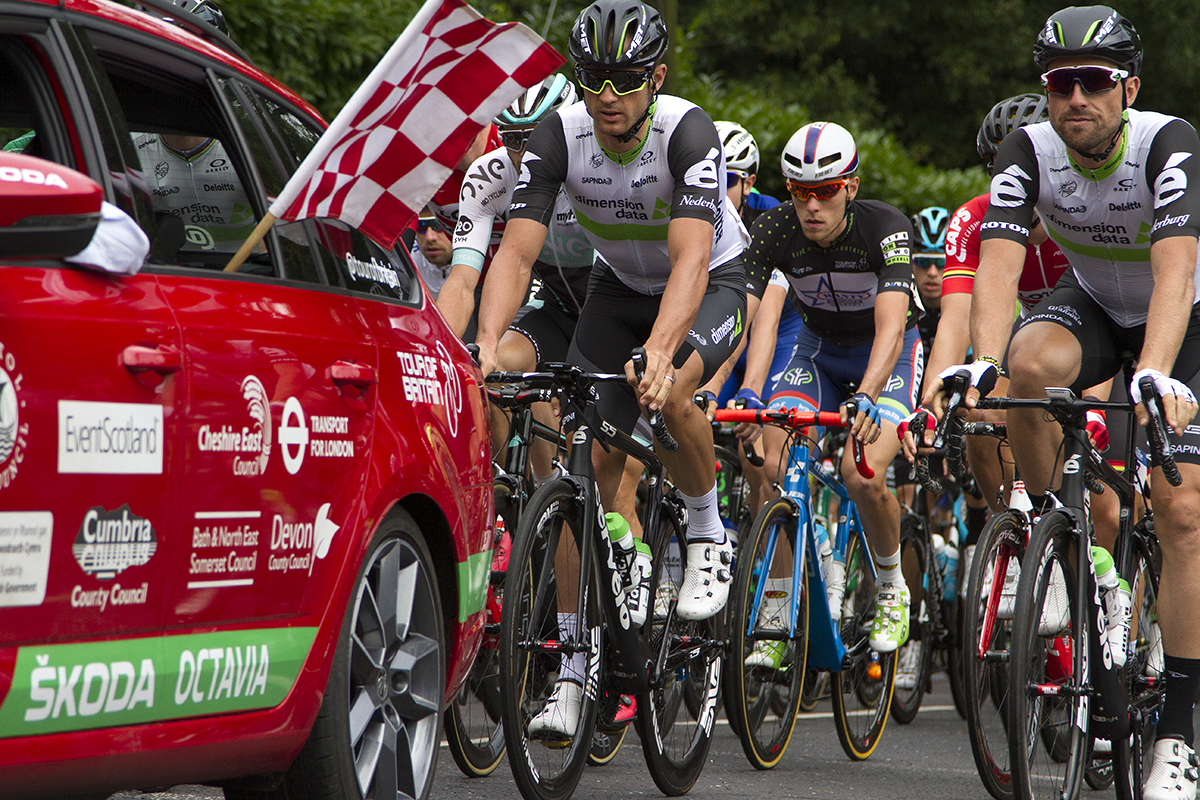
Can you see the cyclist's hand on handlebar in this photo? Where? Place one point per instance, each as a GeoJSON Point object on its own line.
{"type": "Point", "coordinates": [706, 401]}
{"type": "Point", "coordinates": [864, 425]}
{"type": "Point", "coordinates": [908, 442]}
{"type": "Point", "coordinates": [657, 380]}
{"type": "Point", "coordinates": [1097, 429]}
{"type": "Point", "coordinates": [1178, 401]}
{"type": "Point", "coordinates": [982, 377]}
{"type": "Point", "coordinates": [488, 361]}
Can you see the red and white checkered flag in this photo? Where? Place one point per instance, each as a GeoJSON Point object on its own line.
{"type": "Point", "coordinates": [401, 134]}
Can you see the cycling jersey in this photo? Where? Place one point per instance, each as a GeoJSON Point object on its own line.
{"type": "Point", "coordinates": [444, 204]}
{"type": "Point", "coordinates": [1105, 219]}
{"type": "Point", "coordinates": [567, 256]}
{"type": "Point", "coordinates": [677, 171]}
{"type": "Point", "coordinates": [1044, 263]}
{"type": "Point", "coordinates": [835, 288]}
{"type": "Point", "coordinates": [200, 187]}
{"type": "Point", "coordinates": [754, 203]}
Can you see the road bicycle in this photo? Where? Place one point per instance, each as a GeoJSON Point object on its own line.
{"type": "Point", "coordinates": [1065, 687]}
{"type": "Point", "coordinates": [562, 557]}
{"type": "Point", "coordinates": [780, 618]}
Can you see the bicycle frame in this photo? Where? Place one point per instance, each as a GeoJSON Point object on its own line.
{"type": "Point", "coordinates": [826, 650]}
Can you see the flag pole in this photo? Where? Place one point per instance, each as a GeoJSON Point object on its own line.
{"type": "Point", "coordinates": [259, 233]}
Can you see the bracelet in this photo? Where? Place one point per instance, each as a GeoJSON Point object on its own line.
{"type": "Point", "coordinates": [989, 360]}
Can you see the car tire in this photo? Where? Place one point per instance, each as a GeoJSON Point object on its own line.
{"type": "Point", "coordinates": [379, 728]}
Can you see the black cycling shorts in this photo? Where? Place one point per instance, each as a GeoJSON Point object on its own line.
{"type": "Point", "coordinates": [1105, 347]}
{"type": "Point", "coordinates": [548, 328]}
{"type": "Point", "coordinates": [616, 319]}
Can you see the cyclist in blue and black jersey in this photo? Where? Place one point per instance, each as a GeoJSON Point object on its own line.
{"type": "Point", "coordinates": [846, 262]}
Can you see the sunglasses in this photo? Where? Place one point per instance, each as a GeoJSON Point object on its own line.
{"type": "Point", "coordinates": [424, 225]}
{"type": "Point", "coordinates": [735, 176]}
{"type": "Point", "coordinates": [926, 262]}
{"type": "Point", "coordinates": [1093, 80]}
{"type": "Point", "coordinates": [821, 191]}
{"type": "Point", "coordinates": [622, 81]}
{"type": "Point", "coordinates": [516, 138]}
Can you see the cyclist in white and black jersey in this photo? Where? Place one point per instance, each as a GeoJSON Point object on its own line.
{"type": "Point", "coordinates": [1119, 191]}
{"type": "Point", "coordinates": [644, 175]}
{"type": "Point", "coordinates": [566, 258]}
{"type": "Point", "coordinates": [192, 178]}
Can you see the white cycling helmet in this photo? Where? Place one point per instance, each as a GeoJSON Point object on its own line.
{"type": "Point", "coordinates": [741, 151]}
{"type": "Point", "coordinates": [819, 152]}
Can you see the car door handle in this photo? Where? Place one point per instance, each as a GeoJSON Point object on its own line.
{"type": "Point", "coordinates": [163, 359]}
{"type": "Point", "coordinates": [351, 373]}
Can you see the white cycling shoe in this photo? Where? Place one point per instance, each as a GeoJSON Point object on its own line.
{"type": "Point", "coordinates": [1173, 774]}
{"type": "Point", "coordinates": [560, 718]}
{"type": "Point", "coordinates": [706, 580]}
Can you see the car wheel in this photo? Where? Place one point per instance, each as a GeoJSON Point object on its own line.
{"type": "Point", "coordinates": [379, 727]}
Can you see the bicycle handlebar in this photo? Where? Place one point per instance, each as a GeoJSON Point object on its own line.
{"type": "Point", "coordinates": [752, 455]}
{"type": "Point", "coordinates": [657, 423]}
{"type": "Point", "coordinates": [1156, 432]}
{"type": "Point", "coordinates": [786, 418]}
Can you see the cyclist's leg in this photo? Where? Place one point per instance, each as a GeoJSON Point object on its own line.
{"type": "Point", "coordinates": [803, 385]}
{"type": "Point", "coordinates": [541, 335]}
{"type": "Point", "coordinates": [877, 507]}
{"type": "Point", "coordinates": [1177, 523]}
{"type": "Point", "coordinates": [1067, 340]}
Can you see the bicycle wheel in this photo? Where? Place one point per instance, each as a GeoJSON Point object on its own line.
{"type": "Point", "coordinates": [863, 692]}
{"type": "Point", "coordinates": [915, 659]}
{"type": "Point", "coordinates": [1131, 759]}
{"type": "Point", "coordinates": [985, 679]}
{"type": "Point", "coordinates": [952, 645]}
{"type": "Point", "coordinates": [544, 559]}
{"type": "Point", "coordinates": [474, 735]}
{"type": "Point", "coordinates": [816, 687]}
{"type": "Point", "coordinates": [765, 679]}
{"type": "Point", "coordinates": [609, 736]}
{"type": "Point", "coordinates": [1047, 630]}
{"type": "Point", "coordinates": [674, 741]}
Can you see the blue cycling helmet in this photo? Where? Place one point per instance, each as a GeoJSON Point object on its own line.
{"type": "Point", "coordinates": [929, 229]}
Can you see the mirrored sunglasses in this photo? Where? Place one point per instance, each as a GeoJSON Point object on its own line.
{"type": "Point", "coordinates": [515, 138]}
{"type": "Point", "coordinates": [622, 81]}
{"type": "Point", "coordinates": [425, 223]}
{"type": "Point", "coordinates": [735, 176]}
{"type": "Point", "coordinates": [821, 191]}
{"type": "Point", "coordinates": [1093, 80]}
{"type": "Point", "coordinates": [929, 261]}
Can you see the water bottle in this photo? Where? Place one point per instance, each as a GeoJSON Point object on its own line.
{"type": "Point", "coordinates": [824, 548]}
{"type": "Point", "coordinates": [835, 586]}
{"type": "Point", "coordinates": [949, 564]}
{"type": "Point", "coordinates": [639, 601]}
{"type": "Point", "coordinates": [1118, 605]}
{"type": "Point", "coordinates": [623, 547]}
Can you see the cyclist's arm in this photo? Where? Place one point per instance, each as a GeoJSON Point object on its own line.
{"type": "Point", "coordinates": [456, 300]}
{"type": "Point", "coordinates": [1173, 262]}
{"type": "Point", "coordinates": [951, 343]}
{"type": "Point", "coordinates": [891, 315]}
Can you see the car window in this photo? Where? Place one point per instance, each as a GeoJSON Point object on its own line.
{"type": "Point", "coordinates": [29, 123]}
{"type": "Point", "coordinates": [350, 259]}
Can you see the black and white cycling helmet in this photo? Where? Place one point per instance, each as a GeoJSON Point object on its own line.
{"type": "Point", "coordinates": [820, 152]}
{"type": "Point", "coordinates": [537, 103]}
{"type": "Point", "coordinates": [613, 34]}
{"type": "Point", "coordinates": [741, 151]}
{"type": "Point", "coordinates": [1089, 31]}
{"type": "Point", "coordinates": [1005, 117]}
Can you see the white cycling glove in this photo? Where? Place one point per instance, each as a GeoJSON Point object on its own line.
{"type": "Point", "coordinates": [1162, 384]}
{"type": "Point", "coordinates": [983, 375]}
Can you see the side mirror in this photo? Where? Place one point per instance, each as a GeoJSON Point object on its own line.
{"type": "Point", "coordinates": [47, 210]}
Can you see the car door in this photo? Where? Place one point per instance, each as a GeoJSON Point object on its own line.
{"type": "Point", "coordinates": [281, 367]}
{"type": "Point", "coordinates": [91, 401]}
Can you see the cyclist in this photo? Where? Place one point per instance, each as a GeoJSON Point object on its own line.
{"type": "Point", "coordinates": [1116, 188]}
{"type": "Point", "coordinates": [847, 264]}
{"type": "Point", "coordinates": [643, 174]}
{"type": "Point", "coordinates": [741, 171]}
{"type": "Point", "coordinates": [431, 252]}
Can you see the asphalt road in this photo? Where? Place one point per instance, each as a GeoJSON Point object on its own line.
{"type": "Point", "coordinates": [929, 759]}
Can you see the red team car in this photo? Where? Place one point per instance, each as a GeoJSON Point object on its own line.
{"type": "Point", "coordinates": [245, 518]}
